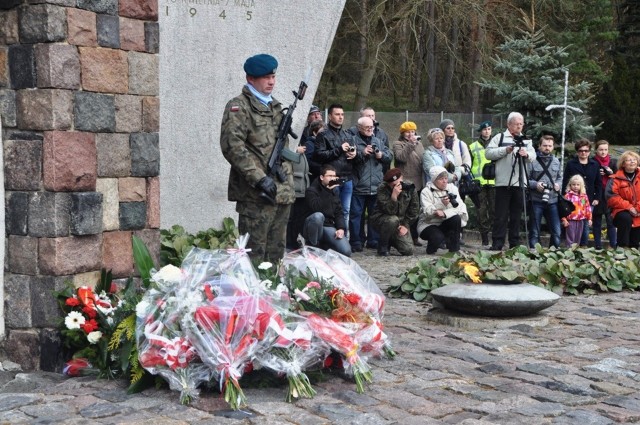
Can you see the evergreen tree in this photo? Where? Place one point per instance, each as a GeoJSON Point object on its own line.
{"type": "Point", "coordinates": [529, 75]}
{"type": "Point", "coordinates": [618, 103]}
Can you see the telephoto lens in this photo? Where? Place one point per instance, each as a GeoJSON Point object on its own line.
{"type": "Point", "coordinates": [452, 199]}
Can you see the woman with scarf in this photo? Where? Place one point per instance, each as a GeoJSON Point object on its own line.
{"type": "Point", "coordinates": [623, 198]}
{"type": "Point", "coordinates": [608, 166]}
{"type": "Point", "coordinates": [459, 148]}
{"type": "Point", "coordinates": [437, 154]}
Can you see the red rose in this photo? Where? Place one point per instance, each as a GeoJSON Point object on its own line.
{"type": "Point", "coordinates": [354, 299]}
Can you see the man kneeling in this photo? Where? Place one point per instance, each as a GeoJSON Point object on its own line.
{"type": "Point", "coordinates": [324, 226]}
{"type": "Point", "coordinates": [397, 208]}
{"type": "Point", "coordinates": [443, 215]}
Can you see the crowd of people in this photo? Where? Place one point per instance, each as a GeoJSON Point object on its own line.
{"type": "Point", "coordinates": [351, 188]}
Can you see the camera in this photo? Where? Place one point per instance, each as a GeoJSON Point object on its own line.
{"type": "Point", "coordinates": [339, 181]}
{"type": "Point", "coordinates": [604, 170]}
{"type": "Point", "coordinates": [406, 187]}
{"type": "Point", "coordinates": [352, 148]}
{"type": "Point", "coordinates": [376, 150]}
{"type": "Point", "coordinates": [546, 191]}
{"type": "Point", "coordinates": [452, 198]}
{"type": "Point", "coordinates": [418, 138]}
{"type": "Point", "coordinates": [518, 141]}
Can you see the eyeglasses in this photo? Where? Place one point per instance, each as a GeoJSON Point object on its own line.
{"type": "Point", "coordinates": [435, 130]}
{"type": "Point", "coordinates": [584, 150]}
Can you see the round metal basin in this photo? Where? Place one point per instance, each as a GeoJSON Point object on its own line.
{"type": "Point", "coordinates": [496, 298]}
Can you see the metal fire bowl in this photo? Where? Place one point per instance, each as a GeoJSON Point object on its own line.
{"type": "Point", "coordinates": [494, 298]}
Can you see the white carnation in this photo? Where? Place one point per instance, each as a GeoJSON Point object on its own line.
{"type": "Point", "coordinates": [141, 309]}
{"type": "Point", "coordinates": [168, 273]}
{"type": "Point", "coordinates": [94, 337]}
{"type": "Point", "coordinates": [265, 265]}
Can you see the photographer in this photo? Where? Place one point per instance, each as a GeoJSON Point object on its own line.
{"type": "Point", "coordinates": [325, 225]}
{"type": "Point", "coordinates": [545, 178]}
{"type": "Point", "coordinates": [443, 214]}
{"type": "Point", "coordinates": [397, 208]}
{"type": "Point", "coordinates": [335, 146]}
{"type": "Point", "coordinates": [372, 157]}
{"type": "Point", "coordinates": [509, 149]}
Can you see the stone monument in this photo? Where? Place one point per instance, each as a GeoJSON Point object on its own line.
{"type": "Point", "coordinates": [203, 46]}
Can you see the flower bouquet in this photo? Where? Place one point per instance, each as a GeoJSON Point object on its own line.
{"type": "Point", "coordinates": [163, 346]}
{"type": "Point", "coordinates": [232, 320]}
{"type": "Point", "coordinates": [88, 326]}
{"type": "Point", "coordinates": [342, 304]}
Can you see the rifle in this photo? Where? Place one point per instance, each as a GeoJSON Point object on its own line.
{"type": "Point", "coordinates": [280, 150]}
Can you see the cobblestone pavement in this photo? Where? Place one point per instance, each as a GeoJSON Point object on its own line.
{"type": "Point", "coordinates": [582, 367]}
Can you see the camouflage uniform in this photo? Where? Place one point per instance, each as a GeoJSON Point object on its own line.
{"type": "Point", "coordinates": [390, 214]}
{"type": "Point", "coordinates": [247, 138]}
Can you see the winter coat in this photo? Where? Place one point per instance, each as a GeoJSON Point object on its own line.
{"type": "Point", "coordinates": [406, 208]}
{"type": "Point", "coordinates": [408, 156]}
{"type": "Point", "coordinates": [507, 169]}
{"type": "Point", "coordinates": [536, 174]}
{"type": "Point", "coordinates": [431, 201]}
{"type": "Point", "coordinates": [328, 150]}
{"type": "Point", "coordinates": [368, 169]}
{"type": "Point", "coordinates": [320, 199]}
{"type": "Point", "coordinates": [622, 194]}
{"type": "Point", "coordinates": [431, 157]}
{"type": "Point", "coordinates": [590, 172]}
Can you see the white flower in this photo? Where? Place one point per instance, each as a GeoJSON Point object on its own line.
{"type": "Point", "coordinates": [141, 309]}
{"type": "Point", "coordinates": [110, 321]}
{"type": "Point", "coordinates": [94, 337]}
{"type": "Point", "coordinates": [265, 285]}
{"type": "Point", "coordinates": [168, 273]}
{"type": "Point", "coordinates": [265, 265]}
{"type": "Point", "coordinates": [282, 288]}
{"type": "Point", "coordinates": [74, 320]}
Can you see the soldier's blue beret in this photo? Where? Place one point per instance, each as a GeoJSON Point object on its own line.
{"type": "Point", "coordinates": [260, 65]}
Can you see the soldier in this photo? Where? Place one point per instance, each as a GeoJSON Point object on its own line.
{"type": "Point", "coordinates": [248, 136]}
{"type": "Point", "coordinates": [397, 207]}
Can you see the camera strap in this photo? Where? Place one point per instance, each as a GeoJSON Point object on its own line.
{"type": "Point", "coordinates": [545, 171]}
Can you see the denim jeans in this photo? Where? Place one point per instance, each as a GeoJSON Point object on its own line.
{"type": "Point", "coordinates": [358, 205]}
{"type": "Point", "coordinates": [346, 192]}
{"type": "Point", "coordinates": [550, 213]}
{"type": "Point", "coordinates": [317, 234]}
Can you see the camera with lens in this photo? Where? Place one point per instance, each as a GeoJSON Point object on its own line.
{"type": "Point", "coordinates": [352, 149]}
{"type": "Point", "coordinates": [546, 191]}
{"type": "Point", "coordinates": [406, 187]}
{"type": "Point", "coordinates": [518, 141]}
{"type": "Point", "coordinates": [452, 198]}
{"type": "Point", "coordinates": [339, 181]}
{"type": "Point", "coordinates": [376, 150]}
{"type": "Point", "coordinates": [606, 171]}
{"type": "Point", "coordinates": [418, 138]}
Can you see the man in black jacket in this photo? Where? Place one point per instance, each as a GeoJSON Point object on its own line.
{"type": "Point", "coordinates": [335, 146]}
{"type": "Point", "coordinates": [325, 225]}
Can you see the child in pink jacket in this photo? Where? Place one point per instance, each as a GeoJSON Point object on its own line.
{"type": "Point", "coordinates": [574, 222]}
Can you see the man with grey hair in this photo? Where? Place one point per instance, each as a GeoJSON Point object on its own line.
{"type": "Point", "coordinates": [372, 157]}
{"type": "Point", "coordinates": [510, 151]}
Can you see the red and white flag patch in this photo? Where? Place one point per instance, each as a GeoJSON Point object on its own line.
{"type": "Point", "coordinates": [234, 108]}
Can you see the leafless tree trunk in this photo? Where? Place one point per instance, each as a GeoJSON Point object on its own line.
{"type": "Point", "coordinates": [447, 80]}
{"type": "Point", "coordinates": [431, 57]}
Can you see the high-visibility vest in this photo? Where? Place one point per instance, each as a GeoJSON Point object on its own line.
{"type": "Point", "coordinates": [479, 161]}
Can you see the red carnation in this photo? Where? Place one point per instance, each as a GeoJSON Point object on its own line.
{"type": "Point", "coordinates": [90, 326]}
{"type": "Point", "coordinates": [72, 302]}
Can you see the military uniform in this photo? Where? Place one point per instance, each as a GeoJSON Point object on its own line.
{"type": "Point", "coordinates": [247, 139]}
{"type": "Point", "coordinates": [389, 214]}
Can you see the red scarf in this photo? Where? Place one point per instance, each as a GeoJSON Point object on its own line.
{"type": "Point", "coordinates": [604, 162]}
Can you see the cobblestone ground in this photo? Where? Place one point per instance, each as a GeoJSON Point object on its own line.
{"type": "Point", "coordinates": [582, 367]}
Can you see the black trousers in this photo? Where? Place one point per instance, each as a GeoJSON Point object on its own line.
{"type": "Point", "coordinates": [449, 231]}
{"type": "Point", "coordinates": [507, 215]}
{"type": "Point", "coordinates": [628, 236]}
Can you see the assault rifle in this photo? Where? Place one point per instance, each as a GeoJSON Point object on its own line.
{"type": "Point", "coordinates": [274, 167]}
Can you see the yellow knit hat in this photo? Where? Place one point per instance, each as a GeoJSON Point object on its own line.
{"type": "Point", "coordinates": [408, 126]}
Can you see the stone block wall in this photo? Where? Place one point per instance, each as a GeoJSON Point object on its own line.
{"type": "Point", "coordinates": [79, 106]}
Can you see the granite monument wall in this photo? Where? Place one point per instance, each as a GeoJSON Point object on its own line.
{"type": "Point", "coordinates": [79, 103]}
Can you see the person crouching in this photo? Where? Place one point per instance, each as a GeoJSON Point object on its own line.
{"type": "Point", "coordinates": [443, 214]}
